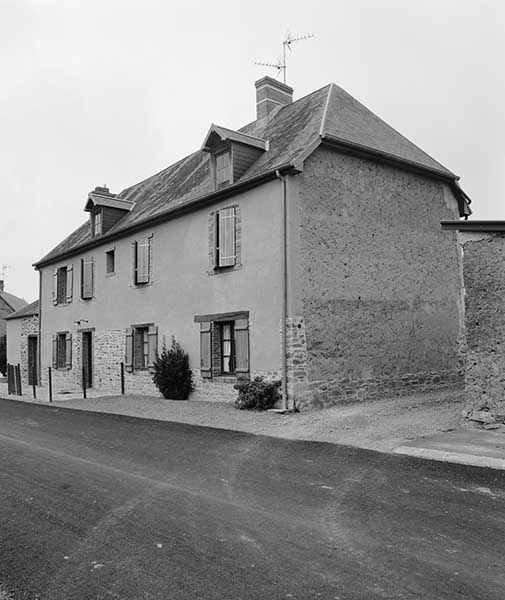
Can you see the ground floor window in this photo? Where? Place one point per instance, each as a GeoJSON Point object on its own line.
{"type": "Point", "coordinates": [224, 345]}
{"type": "Point", "coordinates": [62, 350]}
{"type": "Point", "coordinates": [141, 347]}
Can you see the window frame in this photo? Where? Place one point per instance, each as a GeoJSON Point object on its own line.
{"type": "Point", "coordinates": [97, 223]}
{"type": "Point", "coordinates": [63, 284]}
{"type": "Point", "coordinates": [222, 325]}
{"type": "Point", "coordinates": [136, 244]}
{"type": "Point", "coordinates": [219, 155]}
{"type": "Point", "coordinates": [107, 254]}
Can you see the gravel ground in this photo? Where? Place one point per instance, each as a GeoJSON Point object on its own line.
{"type": "Point", "coordinates": [379, 425]}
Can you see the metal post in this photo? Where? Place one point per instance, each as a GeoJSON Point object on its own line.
{"type": "Point", "coordinates": [122, 378]}
{"type": "Point", "coordinates": [84, 383]}
{"type": "Point", "coordinates": [18, 380]}
{"type": "Point", "coordinates": [50, 377]}
{"type": "Point", "coordinates": [34, 374]}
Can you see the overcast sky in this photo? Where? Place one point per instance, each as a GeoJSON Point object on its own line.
{"type": "Point", "coordinates": [112, 91]}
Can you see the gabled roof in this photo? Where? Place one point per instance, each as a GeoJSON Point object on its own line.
{"type": "Point", "coordinates": [223, 134]}
{"type": "Point", "coordinates": [13, 301]}
{"type": "Point", "coordinates": [328, 115]}
{"type": "Point", "coordinates": [27, 311]}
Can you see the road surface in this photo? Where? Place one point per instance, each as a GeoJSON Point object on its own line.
{"type": "Point", "coordinates": [97, 506]}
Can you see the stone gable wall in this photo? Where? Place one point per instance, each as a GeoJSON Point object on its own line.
{"type": "Point", "coordinates": [381, 286]}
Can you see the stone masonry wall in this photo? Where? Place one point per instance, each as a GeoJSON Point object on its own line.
{"type": "Point", "coordinates": [381, 289]}
{"type": "Point", "coordinates": [29, 326]}
{"type": "Point", "coordinates": [484, 273]}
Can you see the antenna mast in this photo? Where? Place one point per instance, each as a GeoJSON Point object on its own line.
{"type": "Point", "coordinates": [281, 65]}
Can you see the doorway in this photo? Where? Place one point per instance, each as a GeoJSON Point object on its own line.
{"type": "Point", "coordinates": [87, 358]}
{"type": "Point", "coordinates": [32, 360]}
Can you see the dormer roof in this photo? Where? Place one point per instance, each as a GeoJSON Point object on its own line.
{"type": "Point", "coordinates": [101, 196]}
{"type": "Point", "coordinates": [218, 135]}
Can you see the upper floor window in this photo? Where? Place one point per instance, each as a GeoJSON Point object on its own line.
{"type": "Point", "coordinates": [62, 284]}
{"type": "Point", "coordinates": [225, 237]}
{"type": "Point", "coordinates": [97, 223]}
{"type": "Point", "coordinates": [224, 345]}
{"type": "Point", "coordinates": [142, 259]}
{"type": "Point", "coordinates": [110, 262]}
{"type": "Point", "coordinates": [223, 169]}
{"type": "Point", "coordinates": [87, 278]}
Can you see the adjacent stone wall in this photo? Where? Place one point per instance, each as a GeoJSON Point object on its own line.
{"type": "Point", "coordinates": [484, 273]}
{"type": "Point", "coordinates": [29, 327]}
{"type": "Point", "coordinates": [381, 286]}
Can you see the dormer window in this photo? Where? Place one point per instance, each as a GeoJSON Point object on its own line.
{"type": "Point", "coordinates": [97, 223]}
{"type": "Point", "coordinates": [105, 210]}
{"type": "Point", "coordinates": [223, 169]}
{"type": "Point", "coordinates": [231, 153]}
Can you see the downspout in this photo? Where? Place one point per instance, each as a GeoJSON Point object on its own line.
{"type": "Point", "coordinates": [284, 276]}
{"type": "Point", "coordinates": [39, 338]}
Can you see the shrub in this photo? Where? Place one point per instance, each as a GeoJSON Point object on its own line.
{"type": "Point", "coordinates": [172, 375]}
{"type": "Point", "coordinates": [257, 394]}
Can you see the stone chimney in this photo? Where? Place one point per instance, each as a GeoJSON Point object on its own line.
{"type": "Point", "coordinates": [271, 94]}
{"type": "Point", "coordinates": [1, 285]}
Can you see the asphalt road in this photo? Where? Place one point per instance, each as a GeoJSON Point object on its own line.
{"type": "Point", "coordinates": [96, 506]}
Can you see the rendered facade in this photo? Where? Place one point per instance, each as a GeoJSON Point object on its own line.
{"type": "Point", "coordinates": [304, 246]}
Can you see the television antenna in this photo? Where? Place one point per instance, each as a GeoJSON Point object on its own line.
{"type": "Point", "coordinates": [281, 65]}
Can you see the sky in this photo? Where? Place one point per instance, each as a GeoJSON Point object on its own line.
{"type": "Point", "coordinates": [112, 91]}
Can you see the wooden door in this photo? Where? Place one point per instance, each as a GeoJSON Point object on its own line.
{"type": "Point", "coordinates": [87, 357]}
{"type": "Point", "coordinates": [32, 360]}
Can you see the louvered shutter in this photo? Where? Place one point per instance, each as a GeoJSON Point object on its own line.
{"type": "Point", "coordinates": [55, 352]}
{"type": "Point", "coordinates": [226, 218]}
{"type": "Point", "coordinates": [68, 351]}
{"type": "Point", "coordinates": [70, 283]}
{"type": "Point", "coordinates": [142, 261]}
{"type": "Point", "coordinates": [55, 286]}
{"type": "Point", "coordinates": [153, 345]}
{"type": "Point", "coordinates": [241, 346]}
{"type": "Point", "coordinates": [129, 350]}
{"type": "Point", "coordinates": [87, 278]}
{"type": "Point", "coordinates": [206, 349]}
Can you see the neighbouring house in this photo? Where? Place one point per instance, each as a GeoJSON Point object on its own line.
{"type": "Point", "coordinates": [483, 248]}
{"type": "Point", "coordinates": [8, 304]}
{"type": "Point", "coordinates": [305, 245]}
{"type": "Point", "coordinates": [22, 341]}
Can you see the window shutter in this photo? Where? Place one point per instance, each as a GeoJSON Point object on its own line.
{"type": "Point", "coordinates": [55, 352]}
{"type": "Point", "coordinates": [206, 349]}
{"type": "Point", "coordinates": [70, 283]}
{"type": "Point", "coordinates": [241, 346]}
{"type": "Point", "coordinates": [68, 351]}
{"type": "Point", "coordinates": [142, 261]}
{"type": "Point", "coordinates": [129, 350]}
{"type": "Point", "coordinates": [226, 237]}
{"type": "Point", "coordinates": [153, 345]}
{"type": "Point", "coordinates": [86, 278]}
{"type": "Point", "coordinates": [55, 286]}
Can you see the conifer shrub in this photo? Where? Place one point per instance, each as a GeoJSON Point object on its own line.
{"type": "Point", "coordinates": [172, 375]}
{"type": "Point", "coordinates": [257, 394]}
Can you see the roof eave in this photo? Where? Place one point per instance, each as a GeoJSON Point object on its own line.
{"type": "Point", "coordinates": [172, 213]}
{"type": "Point", "coordinates": [476, 226]}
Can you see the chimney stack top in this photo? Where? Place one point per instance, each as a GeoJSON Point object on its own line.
{"type": "Point", "coordinates": [271, 94]}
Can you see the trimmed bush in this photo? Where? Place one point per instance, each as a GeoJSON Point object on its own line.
{"type": "Point", "coordinates": [172, 375]}
{"type": "Point", "coordinates": [257, 394]}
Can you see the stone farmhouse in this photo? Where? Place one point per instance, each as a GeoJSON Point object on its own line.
{"type": "Point", "coordinates": [304, 246]}
{"type": "Point", "coordinates": [8, 305]}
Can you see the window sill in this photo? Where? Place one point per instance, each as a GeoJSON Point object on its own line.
{"type": "Point", "coordinates": [110, 274]}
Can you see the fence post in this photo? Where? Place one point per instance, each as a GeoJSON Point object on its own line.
{"type": "Point", "coordinates": [50, 378]}
{"type": "Point", "coordinates": [18, 380]}
{"type": "Point", "coordinates": [34, 375]}
{"type": "Point", "coordinates": [84, 383]}
{"type": "Point", "coordinates": [122, 378]}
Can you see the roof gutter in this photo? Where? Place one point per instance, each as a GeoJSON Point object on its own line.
{"type": "Point", "coordinates": [172, 213]}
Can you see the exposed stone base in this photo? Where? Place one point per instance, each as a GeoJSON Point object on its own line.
{"type": "Point", "coordinates": [320, 394]}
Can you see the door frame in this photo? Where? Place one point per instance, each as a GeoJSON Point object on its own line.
{"type": "Point", "coordinates": [30, 339]}
{"type": "Point", "coordinates": [89, 363]}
